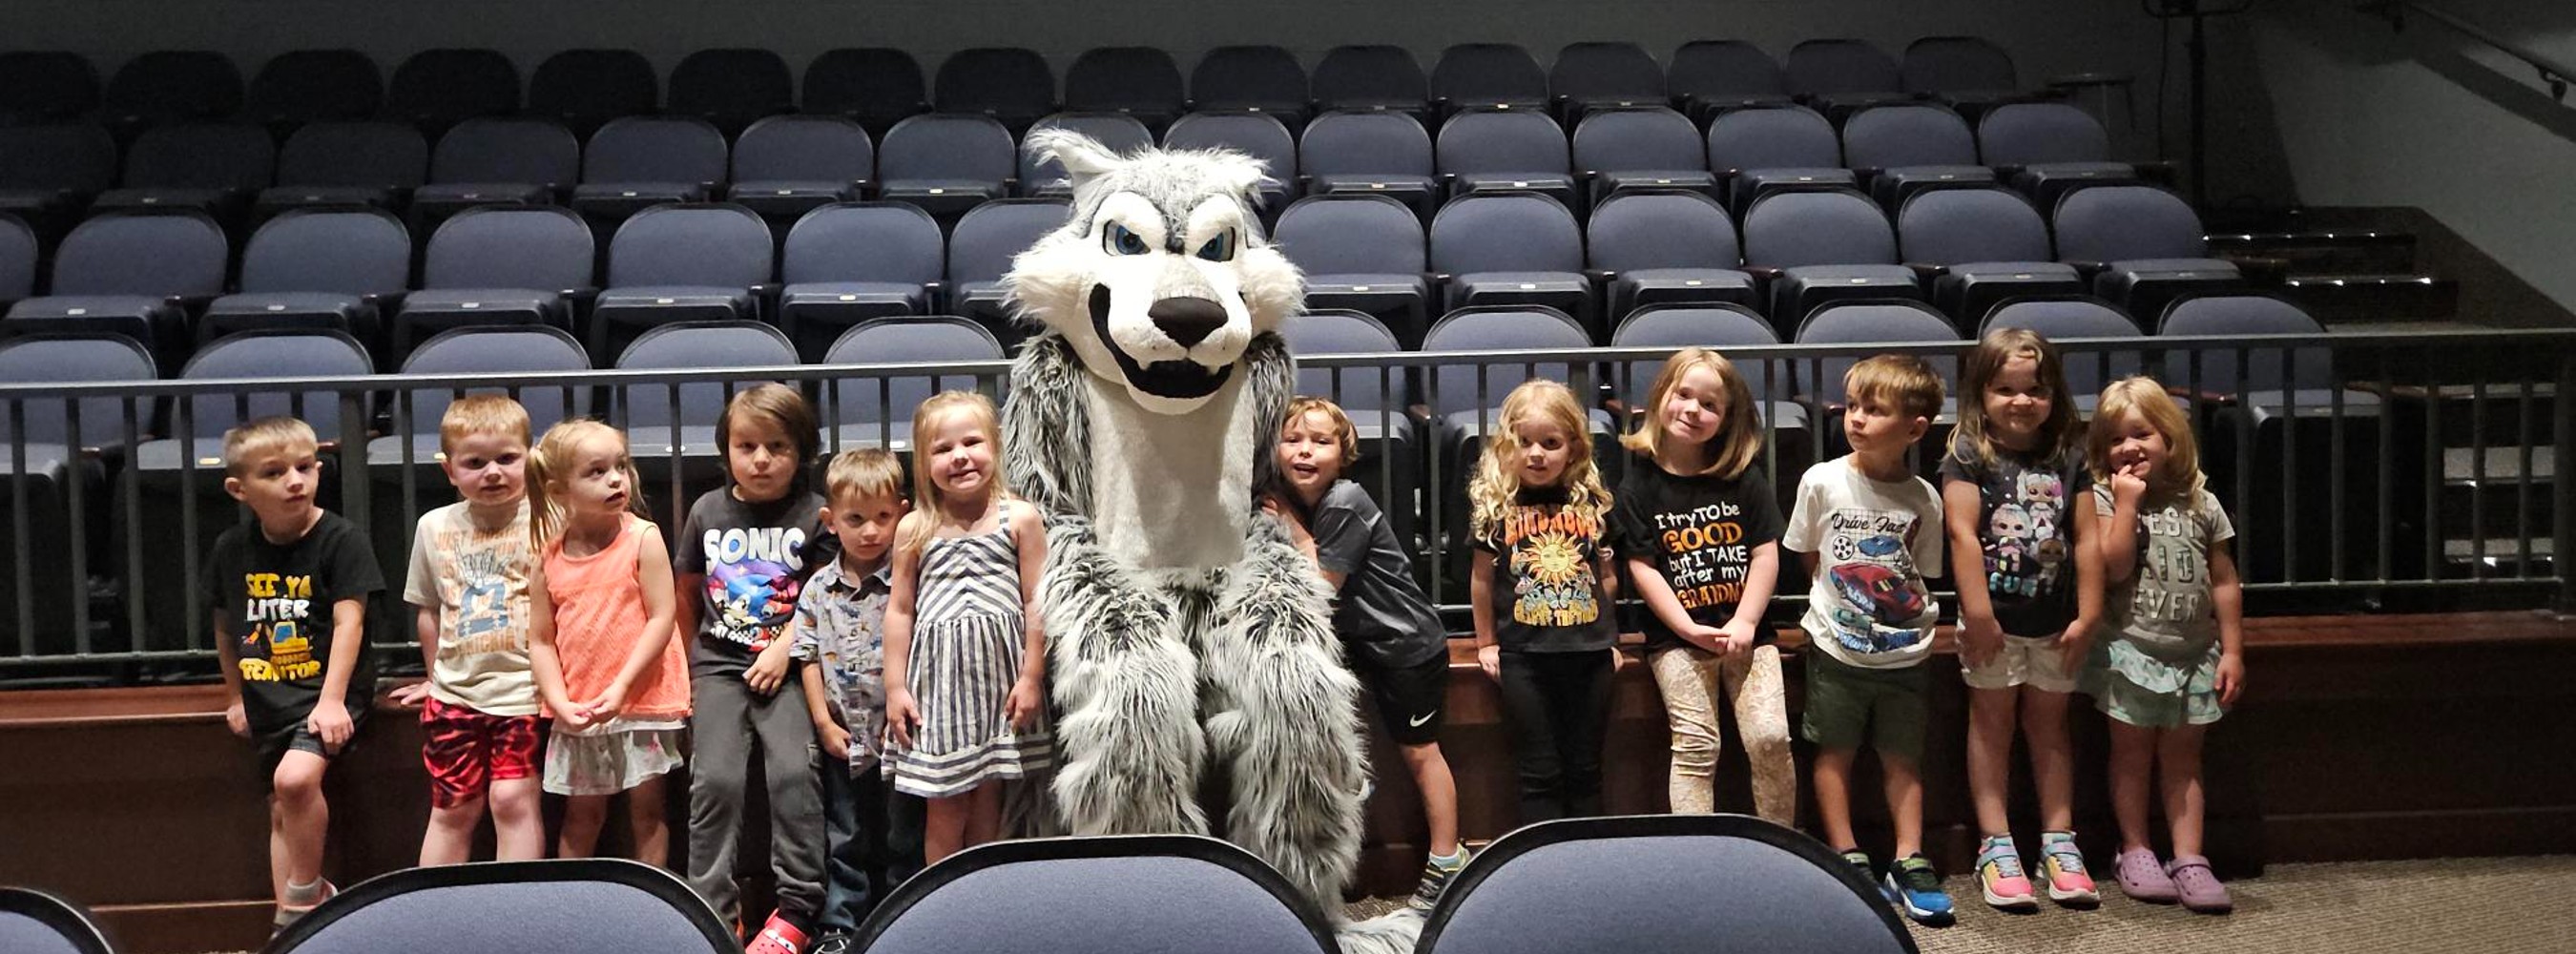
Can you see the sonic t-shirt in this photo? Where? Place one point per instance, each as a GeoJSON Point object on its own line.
{"type": "Point", "coordinates": [1875, 541]}
{"type": "Point", "coordinates": [752, 557]}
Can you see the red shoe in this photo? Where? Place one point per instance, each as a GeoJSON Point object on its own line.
{"type": "Point", "coordinates": [777, 937]}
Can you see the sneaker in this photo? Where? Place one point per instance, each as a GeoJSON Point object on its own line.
{"type": "Point", "coordinates": [778, 937]}
{"type": "Point", "coordinates": [2000, 876]}
{"type": "Point", "coordinates": [2062, 866]}
{"type": "Point", "coordinates": [1436, 875]}
{"type": "Point", "coordinates": [835, 942]}
{"type": "Point", "coordinates": [1915, 889]}
{"type": "Point", "coordinates": [2199, 889]}
{"type": "Point", "coordinates": [1860, 860]}
{"type": "Point", "coordinates": [2142, 878]}
{"type": "Point", "coordinates": [294, 906]}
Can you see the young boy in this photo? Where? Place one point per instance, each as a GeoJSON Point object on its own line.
{"type": "Point", "coordinates": [839, 631]}
{"type": "Point", "coordinates": [1391, 635]}
{"type": "Point", "coordinates": [469, 588]}
{"type": "Point", "coordinates": [1870, 532]}
{"type": "Point", "coordinates": [290, 594]}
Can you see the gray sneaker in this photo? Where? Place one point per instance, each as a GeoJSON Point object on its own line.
{"type": "Point", "coordinates": [1435, 881]}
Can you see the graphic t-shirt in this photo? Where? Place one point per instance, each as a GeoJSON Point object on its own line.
{"type": "Point", "coordinates": [2027, 532]}
{"type": "Point", "coordinates": [1546, 589]}
{"type": "Point", "coordinates": [840, 625]}
{"type": "Point", "coordinates": [2164, 608]}
{"type": "Point", "coordinates": [753, 557]}
{"type": "Point", "coordinates": [277, 603]}
{"type": "Point", "coordinates": [1380, 613]}
{"type": "Point", "coordinates": [1700, 532]}
{"type": "Point", "coordinates": [477, 580]}
{"type": "Point", "coordinates": [1875, 541]}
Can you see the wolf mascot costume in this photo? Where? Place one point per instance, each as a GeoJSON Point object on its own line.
{"type": "Point", "coordinates": [1183, 626]}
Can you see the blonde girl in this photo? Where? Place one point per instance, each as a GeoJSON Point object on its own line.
{"type": "Point", "coordinates": [607, 658]}
{"type": "Point", "coordinates": [1699, 528]}
{"type": "Point", "coordinates": [2030, 593]}
{"type": "Point", "coordinates": [2173, 654]}
{"type": "Point", "coordinates": [965, 659]}
{"type": "Point", "coordinates": [1541, 593]}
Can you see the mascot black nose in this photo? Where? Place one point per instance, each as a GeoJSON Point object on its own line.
{"type": "Point", "coordinates": [1187, 320]}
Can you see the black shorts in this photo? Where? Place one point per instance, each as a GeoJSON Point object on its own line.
{"type": "Point", "coordinates": [1409, 700]}
{"type": "Point", "coordinates": [273, 744]}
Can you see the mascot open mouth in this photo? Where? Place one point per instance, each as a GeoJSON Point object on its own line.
{"type": "Point", "coordinates": [1168, 379]}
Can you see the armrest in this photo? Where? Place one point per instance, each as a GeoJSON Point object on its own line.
{"type": "Point", "coordinates": [1925, 272]}
{"type": "Point", "coordinates": [2200, 398]}
{"type": "Point", "coordinates": [2089, 270]}
{"type": "Point", "coordinates": [1601, 277]}
{"type": "Point", "coordinates": [1765, 273]}
{"type": "Point", "coordinates": [2085, 80]}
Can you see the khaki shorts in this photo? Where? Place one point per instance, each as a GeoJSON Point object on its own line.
{"type": "Point", "coordinates": [2032, 661]}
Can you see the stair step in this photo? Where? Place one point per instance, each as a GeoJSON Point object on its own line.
{"type": "Point", "coordinates": [2502, 556]}
{"type": "Point", "coordinates": [2333, 250]}
{"type": "Point", "coordinates": [2503, 466]}
{"type": "Point", "coordinates": [2374, 297]}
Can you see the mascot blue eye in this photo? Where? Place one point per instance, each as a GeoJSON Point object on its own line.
{"type": "Point", "coordinates": [1218, 249]}
{"type": "Point", "coordinates": [1119, 240]}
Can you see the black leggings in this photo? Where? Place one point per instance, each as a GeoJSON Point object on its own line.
{"type": "Point", "coordinates": [1559, 708]}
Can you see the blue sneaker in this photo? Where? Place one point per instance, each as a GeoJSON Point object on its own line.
{"type": "Point", "coordinates": [1915, 889]}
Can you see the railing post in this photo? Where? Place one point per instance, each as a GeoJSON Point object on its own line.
{"type": "Point", "coordinates": [2562, 480]}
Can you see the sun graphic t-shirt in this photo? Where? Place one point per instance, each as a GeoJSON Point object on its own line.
{"type": "Point", "coordinates": [2027, 532]}
{"type": "Point", "coordinates": [753, 556]}
{"type": "Point", "coordinates": [476, 578]}
{"type": "Point", "coordinates": [277, 603]}
{"type": "Point", "coordinates": [1699, 531]}
{"type": "Point", "coordinates": [1546, 587]}
{"type": "Point", "coordinates": [1875, 541]}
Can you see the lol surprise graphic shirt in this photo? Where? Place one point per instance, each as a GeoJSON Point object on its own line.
{"type": "Point", "coordinates": [2028, 533]}
{"type": "Point", "coordinates": [753, 556]}
{"type": "Point", "coordinates": [1875, 541]}
{"type": "Point", "coordinates": [1546, 587]}
{"type": "Point", "coordinates": [276, 603]}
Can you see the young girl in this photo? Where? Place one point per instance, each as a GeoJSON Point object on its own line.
{"type": "Point", "coordinates": [965, 660]}
{"type": "Point", "coordinates": [1700, 530]}
{"type": "Point", "coordinates": [1390, 634]}
{"type": "Point", "coordinates": [607, 659]}
{"type": "Point", "coordinates": [1541, 594]}
{"type": "Point", "coordinates": [2026, 621]}
{"type": "Point", "coordinates": [2174, 659]}
{"type": "Point", "coordinates": [743, 553]}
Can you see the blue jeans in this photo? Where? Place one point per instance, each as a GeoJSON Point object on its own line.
{"type": "Point", "coordinates": [862, 864]}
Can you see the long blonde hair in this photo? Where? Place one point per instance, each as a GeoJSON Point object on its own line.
{"type": "Point", "coordinates": [553, 460]}
{"type": "Point", "coordinates": [2147, 399]}
{"type": "Point", "coordinates": [925, 423]}
{"type": "Point", "coordinates": [2001, 347]}
{"type": "Point", "coordinates": [1739, 437]}
{"type": "Point", "coordinates": [1498, 476]}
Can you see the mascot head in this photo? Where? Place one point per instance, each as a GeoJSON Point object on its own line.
{"type": "Point", "coordinates": [1162, 276]}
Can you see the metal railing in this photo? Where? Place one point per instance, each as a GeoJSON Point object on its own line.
{"type": "Point", "coordinates": [2553, 74]}
{"type": "Point", "coordinates": [2428, 462]}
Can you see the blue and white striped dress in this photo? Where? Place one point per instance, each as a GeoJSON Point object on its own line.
{"type": "Point", "coordinates": [967, 640]}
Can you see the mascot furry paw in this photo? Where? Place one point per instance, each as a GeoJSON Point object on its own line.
{"type": "Point", "coordinates": [1183, 626]}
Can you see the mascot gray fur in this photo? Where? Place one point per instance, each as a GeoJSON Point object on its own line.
{"type": "Point", "coordinates": [1183, 626]}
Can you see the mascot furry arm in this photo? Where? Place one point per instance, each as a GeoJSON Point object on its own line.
{"type": "Point", "coordinates": [1183, 626]}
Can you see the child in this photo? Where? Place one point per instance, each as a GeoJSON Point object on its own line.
{"type": "Point", "coordinates": [1700, 531]}
{"type": "Point", "coordinates": [743, 551]}
{"type": "Point", "coordinates": [965, 659]}
{"type": "Point", "coordinates": [839, 634]}
{"type": "Point", "coordinates": [2025, 620]}
{"type": "Point", "coordinates": [290, 594]}
{"type": "Point", "coordinates": [1390, 634]}
{"type": "Point", "coordinates": [2175, 657]}
{"type": "Point", "coordinates": [607, 656]}
{"type": "Point", "coordinates": [1541, 592]}
{"type": "Point", "coordinates": [468, 585]}
{"type": "Point", "coordinates": [1870, 532]}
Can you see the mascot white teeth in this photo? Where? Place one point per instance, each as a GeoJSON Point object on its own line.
{"type": "Point", "coordinates": [1183, 626]}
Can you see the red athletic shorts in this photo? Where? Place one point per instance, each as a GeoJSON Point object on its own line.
{"type": "Point", "coordinates": [467, 750]}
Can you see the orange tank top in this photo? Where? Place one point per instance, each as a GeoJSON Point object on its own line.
{"type": "Point", "coordinates": [599, 614]}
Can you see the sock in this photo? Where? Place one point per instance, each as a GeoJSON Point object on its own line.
{"type": "Point", "coordinates": [304, 894]}
{"type": "Point", "coordinates": [1457, 856]}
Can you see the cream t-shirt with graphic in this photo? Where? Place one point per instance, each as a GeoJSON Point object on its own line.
{"type": "Point", "coordinates": [477, 579]}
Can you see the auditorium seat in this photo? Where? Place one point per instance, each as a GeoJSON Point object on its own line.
{"type": "Point", "coordinates": [48, 173]}
{"type": "Point", "coordinates": [1757, 150]}
{"type": "Point", "coordinates": [566, 906]}
{"type": "Point", "coordinates": [2048, 148]}
{"type": "Point", "coordinates": [731, 87]}
{"type": "Point", "coordinates": [307, 86]}
{"type": "Point", "coordinates": [2059, 317]}
{"type": "Point", "coordinates": [1482, 149]}
{"type": "Point", "coordinates": [166, 86]}
{"type": "Point", "coordinates": [1665, 246]}
{"type": "Point", "coordinates": [1252, 79]}
{"type": "Point", "coordinates": [42, 86]}
{"type": "Point", "coordinates": [437, 88]}
{"type": "Point", "coordinates": [210, 167]}
{"type": "Point", "coordinates": [1840, 75]}
{"type": "Point", "coordinates": [1707, 77]}
{"type": "Point", "coordinates": [496, 161]}
{"type": "Point", "coordinates": [317, 268]}
{"type": "Point", "coordinates": [1970, 73]}
{"type": "Point", "coordinates": [1374, 398]}
{"type": "Point", "coordinates": [683, 262]}
{"type": "Point", "coordinates": [58, 456]}
{"type": "Point", "coordinates": [33, 922]}
{"type": "Point", "coordinates": [1366, 77]}
{"type": "Point", "coordinates": [1816, 247]}
{"type": "Point", "coordinates": [131, 273]}
{"type": "Point", "coordinates": [1720, 326]}
{"type": "Point", "coordinates": [1136, 81]}
{"type": "Point", "coordinates": [412, 447]}
{"type": "Point", "coordinates": [1011, 85]}
{"type": "Point", "coordinates": [499, 265]}
{"type": "Point", "coordinates": [877, 411]}
{"type": "Point", "coordinates": [980, 251]}
{"type": "Point", "coordinates": [877, 86]}
{"type": "Point", "coordinates": [664, 422]}
{"type": "Point", "coordinates": [1375, 153]}
{"type": "Point", "coordinates": [1362, 252]}
{"type": "Point", "coordinates": [636, 162]}
{"type": "Point", "coordinates": [1905, 149]}
{"type": "Point", "coordinates": [1604, 75]}
{"type": "Point", "coordinates": [1098, 894]}
{"type": "Point", "coordinates": [1466, 398]}
{"type": "Point", "coordinates": [1873, 321]}
{"type": "Point", "coordinates": [1487, 76]}
{"type": "Point", "coordinates": [1120, 133]}
{"type": "Point", "coordinates": [946, 163]}
{"type": "Point", "coordinates": [786, 166]}
{"type": "Point", "coordinates": [1508, 248]}
{"type": "Point", "coordinates": [1640, 147]}
{"type": "Point", "coordinates": [2142, 244]}
{"type": "Point", "coordinates": [585, 88]}
{"type": "Point", "coordinates": [1262, 136]}
{"type": "Point", "coordinates": [1987, 243]}
{"type": "Point", "coordinates": [334, 163]}
{"type": "Point", "coordinates": [18, 257]}
{"type": "Point", "coordinates": [850, 262]}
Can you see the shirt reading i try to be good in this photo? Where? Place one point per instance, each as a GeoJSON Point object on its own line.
{"type": "Point", "coordinates": [1699, 531]}
{"type": "Point", "coordinates": [277, 603]}
{"type": "Point", "coordinates": [753, 556]}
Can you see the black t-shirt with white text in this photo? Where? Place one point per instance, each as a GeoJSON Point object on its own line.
{"type": "Point", "coordinates": [276, 604]}
{"type": "Point", "coordinates": [1546, 586]}
{"type": "Point", "coordinates": [1700, 532]}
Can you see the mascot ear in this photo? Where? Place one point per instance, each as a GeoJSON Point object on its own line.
{"type": "Point", "coordinates": [1083, 158]}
